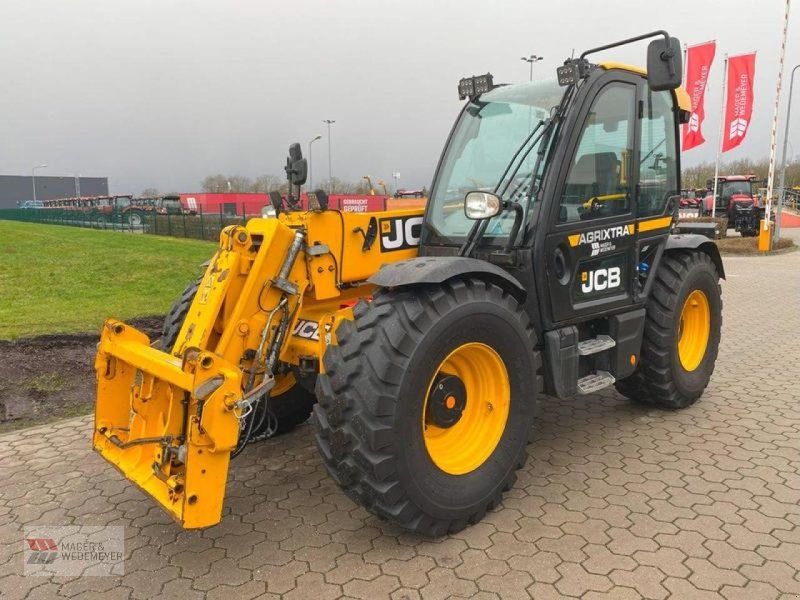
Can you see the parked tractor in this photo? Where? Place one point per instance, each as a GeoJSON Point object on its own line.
{"type": "Point", "coordinates": [424, 341]}
{"type": "Point", "coordinates": [737, 200]}
{"type": "Point", "coordinates": [690, 198]}
{"type": "Point", "coordinates": [123, 209]}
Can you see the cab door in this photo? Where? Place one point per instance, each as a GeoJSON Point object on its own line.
{"type": "Point", "coordinates": [590, 248]}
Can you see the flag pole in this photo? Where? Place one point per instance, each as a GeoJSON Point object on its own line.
{"type": "Point", "coordinates": [767, 244]}
{"type": "Point", "coordinates": [685, 66]}
{"type": "Point", "coordinates": [684, 75]}
{"type": "Point", "coordinates": [721, 131]}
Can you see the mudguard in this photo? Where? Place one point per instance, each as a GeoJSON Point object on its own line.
{"type": "Point", "coordinates": [692, 241]}
{"type": "Point", "coordinates": [437, 269]}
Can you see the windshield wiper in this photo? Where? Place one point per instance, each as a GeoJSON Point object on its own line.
{"type": "Point", "coordinates": [514, 158]}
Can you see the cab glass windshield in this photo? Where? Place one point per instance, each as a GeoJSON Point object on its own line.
{"type": "Point", "coordinates": [481, 156]}
{"type": "Point", "coordinates": [730, 188]}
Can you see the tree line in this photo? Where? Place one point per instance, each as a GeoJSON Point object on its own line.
{"type": "Point", "coordinates": [263, 184]}
{"type": "Point", "coordinates": [697, 176]}
{"type": "Point", "coordinates": [694, 177]}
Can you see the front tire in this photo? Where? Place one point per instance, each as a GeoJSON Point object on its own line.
{"type": "Point", "coordinates": [427, 403]}
{"type": "Point", "coordinates": [681, 334]}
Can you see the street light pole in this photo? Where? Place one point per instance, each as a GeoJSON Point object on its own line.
{"type": "Point", "coordinates": [33, 180]}
{"type": "Point", "coordinates": [530, 60]}
{"type": "Point", "coordinates": [782, 195]}
{"type": "Point", "coordinates": [329, 122]}
{"type": "Point", "coordinates": [310, 163]}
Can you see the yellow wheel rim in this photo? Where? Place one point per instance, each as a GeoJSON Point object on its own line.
{"type": "Point", "coordinates": [695, 327]}
{"type": "Point", "coordinates": [466, 445]}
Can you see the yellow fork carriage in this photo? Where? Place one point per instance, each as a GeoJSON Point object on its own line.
{"type": "Point", "coordinates": [268, 304]}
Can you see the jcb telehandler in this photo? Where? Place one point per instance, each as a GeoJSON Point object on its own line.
{"type": "Point", "coordinates": [422, 342]}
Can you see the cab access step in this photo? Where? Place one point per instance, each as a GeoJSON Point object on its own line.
{"type": "Point", "coordinates": [590, 356]}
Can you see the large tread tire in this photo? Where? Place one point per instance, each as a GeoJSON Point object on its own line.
{"type": "Point", "coordinates": [369, 414]}
{"type": "Point", "coordinates": [288, 410]}
{"type": "Point", "coordinates": [176, 315]}
{"type": "Point", "coordinates": [660, 380]}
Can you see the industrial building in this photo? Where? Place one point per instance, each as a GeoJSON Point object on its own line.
{"type": "Point", "coordinates": [17, 189]}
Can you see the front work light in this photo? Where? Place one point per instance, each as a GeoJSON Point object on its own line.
{"type": "Point", "coordinates": [472, 87]}
{"type": "Point", "coordinates": [318, 200]}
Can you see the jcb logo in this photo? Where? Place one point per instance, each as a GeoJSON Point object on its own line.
{"type": "Point", "coordinates": [400, 233]}
{"type": "Point", "coordinates": [308, 330]}
{"type": "Point", "coordinates": [600, 279]}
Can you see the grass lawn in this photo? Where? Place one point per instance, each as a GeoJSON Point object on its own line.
{"type": "Point", "coordinates": [57, 279]}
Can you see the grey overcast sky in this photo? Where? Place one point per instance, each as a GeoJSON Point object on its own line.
{"type": "Point", "coordinates": [163, 92]}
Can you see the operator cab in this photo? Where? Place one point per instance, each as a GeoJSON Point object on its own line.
{"type": "Point", "coordinates": [569, 183]}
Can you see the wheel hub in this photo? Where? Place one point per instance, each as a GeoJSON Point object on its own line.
{"type": "Point", "coordinates": [447, 401]}
{"type": "Point", "coordinates": [466, 408]}
{"type": "Point", "coordinates": [694, 330]}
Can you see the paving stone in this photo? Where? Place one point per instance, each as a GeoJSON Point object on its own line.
{"type": "Point", "coordinates": [617, 501]}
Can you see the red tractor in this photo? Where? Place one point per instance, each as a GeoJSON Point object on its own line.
{"type": "Point", "coordinates": [737, 201]}
{"type": "Point", "coordinates": [690, 198]}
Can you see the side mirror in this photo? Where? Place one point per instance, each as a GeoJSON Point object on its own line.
{"type": "Point", "coordinates": [664, 64]}
{"type": "Point", "coordinates": [299, 172]}
{"type": "Point", "coordinates": [295, 152]}
{"type": "Point", "coordinates": [296, 166]}
{"type": "Point", "coordinates": [482, 205]}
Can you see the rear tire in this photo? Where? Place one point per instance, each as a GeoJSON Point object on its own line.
{"type": "Point", "coordinates": [662, 379]}
{"type": "Point", "coordinates": [373, 419]}
{"type": "Point", "coordinates": [135, 218]}
{"type": "Point", "coordinates": [288, 409]}
{"type": "Point", "coordinates": [176, 315]}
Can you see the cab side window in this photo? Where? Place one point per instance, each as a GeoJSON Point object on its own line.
{"type": "Point", "coordinates": [658, 173]}
{"type": "Point", "coordinates": [597, 184]}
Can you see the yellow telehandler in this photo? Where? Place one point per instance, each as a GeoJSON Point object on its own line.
{"type": "Point", "coordinates": [423, 341]}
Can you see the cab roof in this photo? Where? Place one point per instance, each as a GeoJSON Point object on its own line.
{"type": "Point", "coordinates": [681, 95]}
{"type": "Point", "coordinates": [737, 177]}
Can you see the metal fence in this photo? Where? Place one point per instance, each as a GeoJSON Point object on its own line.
{"type": "Point", "coordinates": [200, 226]}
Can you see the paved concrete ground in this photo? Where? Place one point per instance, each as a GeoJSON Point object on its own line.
{"type": "Point", "coordinates": [616, 501]}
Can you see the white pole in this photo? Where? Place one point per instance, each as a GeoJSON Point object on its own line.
{"type": "Point", "coordinates": [685, 66]}
{"type": "Point", "coordinates": [774, 138]}
{"type": "Point", "coordinates": [329, 122]}
{"type": "Point", "coordinates": [721, 128]}
{"type": "Point", "coordinates": [782, 191]}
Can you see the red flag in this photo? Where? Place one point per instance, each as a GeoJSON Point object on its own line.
{"type": "Point", "coordinates": [698, 64]}
{"type": "Point", "coordinates": [739, 104]}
